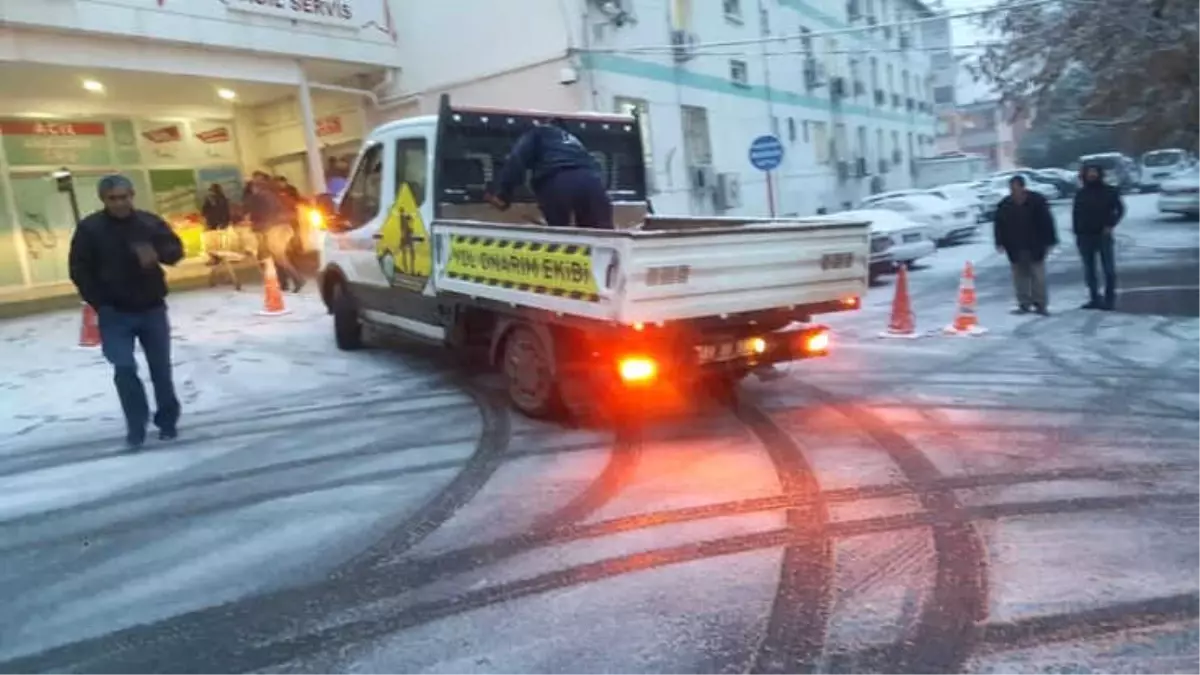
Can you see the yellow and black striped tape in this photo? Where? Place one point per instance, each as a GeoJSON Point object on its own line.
{"type": "Point", "coordinates": [559, 270]}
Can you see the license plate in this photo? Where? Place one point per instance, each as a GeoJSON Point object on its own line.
{"type": "Point", "coordinates": [910, 238]}
{"type": "Point", "coordinates": [960, 214]}
{"type": "Point", "coordinates": [725, 351]}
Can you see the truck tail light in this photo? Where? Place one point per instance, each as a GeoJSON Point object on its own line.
{"type": "Point", "coordinates": [814, 343]}
{"type": "Point", "coordinates": [637, 370]}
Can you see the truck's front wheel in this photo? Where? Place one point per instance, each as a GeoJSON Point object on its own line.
{"type": "Point", "coordinates": [530, 373]}
{"type": "Point", "coordinates": [347, 329]}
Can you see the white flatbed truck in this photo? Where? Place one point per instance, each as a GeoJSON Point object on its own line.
{"type": "Point", "coordinates": [413, 247]}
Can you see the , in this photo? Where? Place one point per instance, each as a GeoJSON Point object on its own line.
{"type": "Point", "coordinates": [1158, 166]}
{"type": "Point", "coordinates": [646, 304]}
{"type": "Point", "coordinates": [1046, 186]}
{"type": "Point", "coordinates": [881, 196]}
{"type": "Point", "coordinates": [949, 221]}
{"type": "Point", "coordinates": [907, 240]}
{"type": "Point", "coordinates": [1120, 171]}
{"type": "Point", "coordinates": [964, 193]}
{"type": "Point", "coordinates": [1181, 193]}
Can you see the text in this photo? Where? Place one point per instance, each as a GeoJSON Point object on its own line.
{"type": "Point", "coordinates": [665, 276]}
{"type": "Point", "coordinates": [334, 9]}
{"type": "Point", "coordinates": [52, 129]}
{"type": "Point", "coordinates": [338, 10]}
{"type": "Point", "coordinates": [525, 268]}
{"type": "Point", "coordinates": [834, 261]}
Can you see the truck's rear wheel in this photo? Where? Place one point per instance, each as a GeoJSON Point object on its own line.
{"type": "Point", "coordinates": [723, 388]}
{"type": "Point", "coordinates": [347, 328]}
{"type": "Point", "coordinates": [530, 373]}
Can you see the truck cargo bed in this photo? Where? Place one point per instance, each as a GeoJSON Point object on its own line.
{"type": "Point", "coordinates": [654, 275]}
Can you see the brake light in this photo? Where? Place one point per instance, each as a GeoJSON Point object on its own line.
{"type": "Point", "coordinates": [816, 343]}
{"type": "Point", "coordinates": [635, 370]}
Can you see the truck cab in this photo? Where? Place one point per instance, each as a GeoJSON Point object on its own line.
{"type": "Point", "coordinates": [412, 246]}
{"type": "Point", "coordinates": [378, 245]}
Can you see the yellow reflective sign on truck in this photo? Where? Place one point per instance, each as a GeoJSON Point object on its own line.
{"type": "Point", "coordinates": [403, 248]}
{"type": "Point", "coordinates": [559, 270]}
